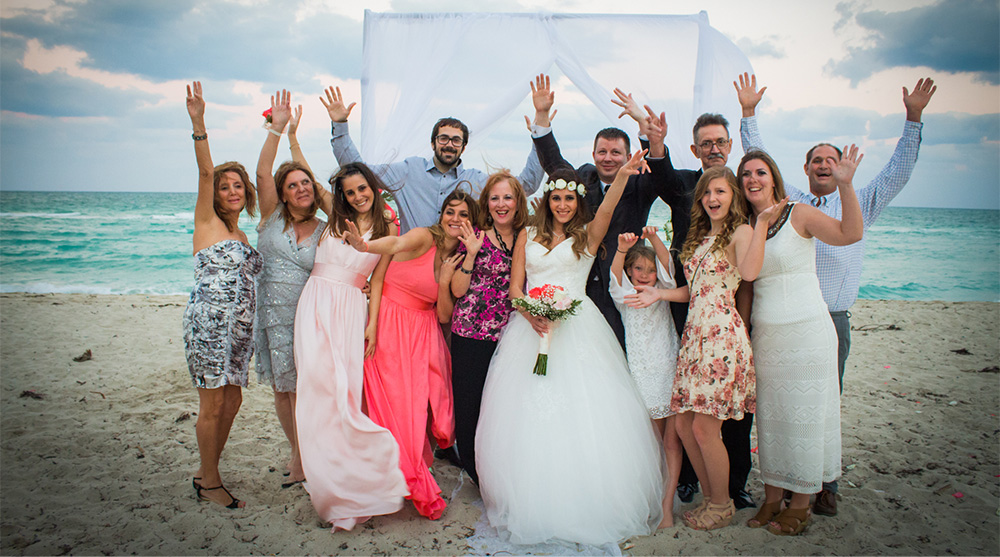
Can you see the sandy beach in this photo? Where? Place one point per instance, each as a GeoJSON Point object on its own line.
{"type": "Point", "coordinates": [97, 455]}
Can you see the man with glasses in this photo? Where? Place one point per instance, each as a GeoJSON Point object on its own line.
{"type": "Point", "coordinates": [839, 267]}
{"type": "Point", "coordinates": [420, 185]}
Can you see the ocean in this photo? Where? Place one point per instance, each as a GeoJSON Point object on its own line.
{"type": "Point", "coordinates": [140, 243]}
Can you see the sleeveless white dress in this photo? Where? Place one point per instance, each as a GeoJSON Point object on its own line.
{"type": "Point", "coordinates": [570, 456]}
{"type": "Point", "coordinates": [795, 354]}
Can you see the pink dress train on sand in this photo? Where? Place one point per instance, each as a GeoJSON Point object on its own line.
{"type": "Point", "coordinates": [351, 464]}
{"type": "Point", "coordinates": [411, 372]}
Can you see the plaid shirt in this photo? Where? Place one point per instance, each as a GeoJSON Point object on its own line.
{"type": "Point", "coordinates": [839, 267]}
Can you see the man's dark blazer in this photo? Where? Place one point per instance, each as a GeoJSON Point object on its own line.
{"type": "Point", "coordinates": [629, 216]}
{"type": "Point", "coordinates": [680, 184]}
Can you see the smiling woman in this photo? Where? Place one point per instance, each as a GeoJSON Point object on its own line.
{"type": "Point", "coordinates": [409, 373]}
{"type": "Point", "coordinates": [219, 318]}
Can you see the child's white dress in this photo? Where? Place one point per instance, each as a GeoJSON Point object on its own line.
{"type": "Point", "coordinates": [651, 342]}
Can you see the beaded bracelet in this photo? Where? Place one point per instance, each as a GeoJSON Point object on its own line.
{"type": "Point", "coordinates": [199, 137]}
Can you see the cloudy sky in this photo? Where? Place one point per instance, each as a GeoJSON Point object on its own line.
{"type": "Point", "coordinates": [92, 91]}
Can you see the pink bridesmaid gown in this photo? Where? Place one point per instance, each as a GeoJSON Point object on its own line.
{"type": "Point", "coordinates": [351, 464]}
{"type": "Point", "coordinates": [411, 373]}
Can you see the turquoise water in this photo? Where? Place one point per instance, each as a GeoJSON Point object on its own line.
{"type": "Point", "coordinates": [140, 243]}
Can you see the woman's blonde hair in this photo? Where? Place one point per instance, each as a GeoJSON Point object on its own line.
{"type": "Point", "coordinates": [701, 224]}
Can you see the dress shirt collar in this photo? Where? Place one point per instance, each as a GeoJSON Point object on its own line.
{"type": "Point", "coordinates": [429, 166]}
{"type": "Point", "coordinates": [825, 200]}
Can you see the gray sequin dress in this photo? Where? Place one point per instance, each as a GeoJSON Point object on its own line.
{"type": "Point", "coordinates": [219, 318]}
{"type": "Point", "coordinates": [287, 265]}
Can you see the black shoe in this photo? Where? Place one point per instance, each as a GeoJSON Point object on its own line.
{"type": "Point", "coordinates": [686, 492]}
{"type": "Point", "coordinates": [743, 500]}
{"type": "Point", "coordinates": [450, 454]}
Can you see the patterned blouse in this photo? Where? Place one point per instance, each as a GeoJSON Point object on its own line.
{"type": "Point", "coordinates": [484, 309]}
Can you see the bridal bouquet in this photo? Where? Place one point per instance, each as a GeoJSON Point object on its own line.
{"type": "Point", "coordinates": [552, 303]}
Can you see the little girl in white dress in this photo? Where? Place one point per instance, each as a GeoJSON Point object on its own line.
{"type": "Point", "coordinates": [651, 341]}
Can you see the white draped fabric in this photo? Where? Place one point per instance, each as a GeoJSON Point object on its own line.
{"type": "Point", "coordinates": [477, 66]}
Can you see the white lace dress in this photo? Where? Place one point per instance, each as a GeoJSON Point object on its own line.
{"type": "Point", "coordinates": [570, 456]}
{"type": "Point", "coordinates": [795, 354]}
{"type": "Point", "coordinates": [650, 341]}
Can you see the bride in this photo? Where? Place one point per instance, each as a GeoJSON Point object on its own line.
{"type": "Point", "coordinates": [570, 456]}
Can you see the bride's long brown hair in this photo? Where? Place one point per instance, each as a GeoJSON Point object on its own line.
{"type": "Point", "coordinates": [576, 228]}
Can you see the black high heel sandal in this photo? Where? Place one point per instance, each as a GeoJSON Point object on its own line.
{"type": "Point", "coordinates": [234, 504]}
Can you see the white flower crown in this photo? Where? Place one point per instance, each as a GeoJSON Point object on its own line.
{"type": "Point", "coordinates": [561, 184]}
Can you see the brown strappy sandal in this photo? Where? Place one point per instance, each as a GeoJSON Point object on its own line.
{"type": "Point", "coordinates": [714, 516]}
{"type": "Point", "coordinates": [765, 514]}
{"type": "Point", "coordinates": [790, 522]}
{"type": "Point", "coordinates": [690, 515]}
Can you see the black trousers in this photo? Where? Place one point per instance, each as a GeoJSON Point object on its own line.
{"type": "Point", "coordinates": [470, 361]}
{"type": "Point", "coordinates": [736, 437]}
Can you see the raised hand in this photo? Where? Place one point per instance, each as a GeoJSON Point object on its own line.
{"type": "Point", "coordinates": [542, 96]}
{"type": "Point", "coordinates": [770, 215]}
{"type": "Point", "coordinates": [655, 126]}
{"type": "Point", "coordinates": [843, 170]}
{"type": "Point", "coordinates": [535, 203]}
{"type": "Point", "coordinates": [281, 109]}
{"type": "Point", "coordinates": [473, 240]}
{"type": "Point", "coordinates": [644, 296]}
{"type": "Point", "coordinates": [626, 240]}
{"type": "Point", "coordinates": [334, 103]}
{"type": "Point", "coordinates": [293, 123]}
{"type": "Point", "coordinates": [629, 106]}
{"type": "Point", "coordinates": [351, 236]}
{"type": "Point", "coordinates": [649, 232]}
{"type": "Point", "coordinates": [195, 102]}
{"type": "Point", "coordinates": [916, 101]}
{"type": "Point", "coordinates": [635, 165]}
{"type": "Point", "coordinates": [748, 94]}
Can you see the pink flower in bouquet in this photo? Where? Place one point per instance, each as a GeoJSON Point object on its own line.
{"type": "Point", "coordinates": [563, 303]}
{"type": "Point", "coordinates": [267, 115]}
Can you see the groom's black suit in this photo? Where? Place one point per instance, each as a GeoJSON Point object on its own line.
{"type": "Point", "coordinates": [629, 216]}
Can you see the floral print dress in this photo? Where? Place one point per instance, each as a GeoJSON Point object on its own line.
{"type": "Point", "coordinates": [715, 373]}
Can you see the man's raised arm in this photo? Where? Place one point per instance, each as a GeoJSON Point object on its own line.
{"type": "Point", "coordinates": [890, 181]}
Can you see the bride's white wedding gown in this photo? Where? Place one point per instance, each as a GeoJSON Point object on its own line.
{"type": "Point", "coordinates": [572, 455]}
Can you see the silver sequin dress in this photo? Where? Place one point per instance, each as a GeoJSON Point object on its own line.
{"type": "Point", "coordinates": [219, 318]}
{"type": "Point", "coordinates": [287, 265]}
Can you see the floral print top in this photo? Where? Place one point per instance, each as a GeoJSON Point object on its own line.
{"type": "Point", "coordinates": [484, 309]}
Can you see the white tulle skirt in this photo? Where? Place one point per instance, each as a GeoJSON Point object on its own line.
{"type": "Point", "coordinates": [571, 456]}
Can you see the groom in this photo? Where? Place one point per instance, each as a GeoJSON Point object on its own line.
{"type": "Point", "coordinates": [611, 152]}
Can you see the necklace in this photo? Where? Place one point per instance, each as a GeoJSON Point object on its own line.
{"type": "Point", "coordinates": [503, 245]}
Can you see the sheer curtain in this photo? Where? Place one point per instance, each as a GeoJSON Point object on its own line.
{"type": "Point", "coordinates": [419, 67]}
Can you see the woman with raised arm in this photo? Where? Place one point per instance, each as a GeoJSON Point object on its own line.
{"type": "Point", "coordinates": [794, 342]}
{"type": "Point", "coordinates": [409, 372]}
{"type": "Point", "coordinates": [482, 305]}
{"type": "Point", "coordinates": [219, 318]}
{"type": "Point", "coordinates": [287, 237]}
{"type": "Point", "coordinates": [545, 468]}
{"type": "Point", "coordinates": [351, 465]}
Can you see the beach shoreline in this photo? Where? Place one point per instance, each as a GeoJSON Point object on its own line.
{"type": "Point", "coordinates": [97, 455]}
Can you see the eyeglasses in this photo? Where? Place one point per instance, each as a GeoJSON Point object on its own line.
{"type": "Point", "coordinates": [720, 143]}
{"type": "Point", "coordinates": [457, 140]}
